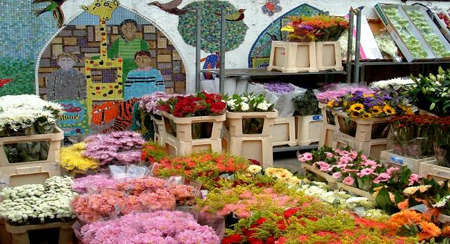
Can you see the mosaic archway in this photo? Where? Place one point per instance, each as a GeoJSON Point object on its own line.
{"type": "Point", "coordinates": [103, 56]}
{"type": "Point", "coordinates": [259, 55]}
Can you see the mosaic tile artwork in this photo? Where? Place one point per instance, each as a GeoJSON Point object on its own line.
{"type": "Point", "coordinates": [271, 7]}
{"type": "Point", "coordinates": [74, 121]}
{"type": "Point", "coordinates": [22, 37]}
{"type": "Point", "coordinates": [211, 11]}
{"type": "Point", "coordinates": [260, 52]}
{"type": "Point", "coordinates": [102, 50]}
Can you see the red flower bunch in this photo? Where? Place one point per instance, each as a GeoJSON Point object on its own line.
{"type": "Point", "coordinates": [201, 104]}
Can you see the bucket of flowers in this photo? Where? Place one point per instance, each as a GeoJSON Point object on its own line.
{"type": "Point", "coordinates": [28, 131]}
{"type": "Point", "coordinates": [193, 122]}
{"type": "Point", "coordinates": [319, 34]}
{"type": "Point", "coordinates": [308, 119]}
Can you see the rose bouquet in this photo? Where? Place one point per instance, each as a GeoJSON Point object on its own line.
{"type": "Point", "coordinates": [72, 160]}
{"type": "Point", "coordinates": [162, 227]}
{"type": "Point", "coordinates": [115, 148]}
{"type": "Point", "coordinates": [38, 204]}
{"type": "Point", "coordinates": [250, 103]}
{"type": "Point", "coordinates": [413, 135]}
{"type": "Point", "coordinates": [432, 93]}
{"type": "Point", "coordinates": [316, 28]}
{"type": "Point", "coordinates": [131, 196]}
{"type": "Point", "coordinates": [200, 104]}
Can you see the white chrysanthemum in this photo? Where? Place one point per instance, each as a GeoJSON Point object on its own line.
{"type": "Point", "coordinates": [396, 83]}
{"type": "Point", "coordinates": [255, 169]}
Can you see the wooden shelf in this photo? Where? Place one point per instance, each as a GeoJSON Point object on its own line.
{"type": "Point", "coordinates": [296, 148]}
{"type": "Point", "coordinates": [264, 72]}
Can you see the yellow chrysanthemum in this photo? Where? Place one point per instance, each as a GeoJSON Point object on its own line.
{"type": "Point", "coordinates": [357, 107]}
{"type": "Point", "coordinates": [294, 180]}
{"type": "Point", "coordinates": [331, 103]}
{"type": "Point", "coordinates": [388, 110]}
{"type": "Point", "coordinates": [376, 110]}
{"type": "Point", "coordinates": [71, 158]}
{"type": "Point", "coordinates": [254, 169]}
{"type": "Point", "coordinates": [367, 116]}
{"type": "Point", "coordinates": [272, 171]}
{"type": "Point", "coordinates": [283, 175]}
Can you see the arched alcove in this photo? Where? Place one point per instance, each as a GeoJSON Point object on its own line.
{"type": "Point", "coordinates": [259, 54]}
{"type": "Point", "coordinates": [82, 39]}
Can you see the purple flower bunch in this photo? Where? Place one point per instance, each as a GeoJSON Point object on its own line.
{"type": "Point", "coordinates": [96, 182]}
{"type": "Point", "coordinates": [122, 147]}
{"type": "Point", "coordinates": [162, 227]}
{"type": "Point", "coordinates": [325, 97]}
{"type": "Point", "coordinates": [150, 103]}
{"type": "Point", "coordinates": [279, 87]}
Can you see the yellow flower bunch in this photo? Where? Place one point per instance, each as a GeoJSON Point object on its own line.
{"type": "Point", "coordinates": [376, 110]}
{"type": "Point", "coordinates": [283, 175]}
{"type": "Point", "coordinates": [72, 158]}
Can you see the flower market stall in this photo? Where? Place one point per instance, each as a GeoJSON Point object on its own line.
{"type": "Point", "coordinates": [307, 146]}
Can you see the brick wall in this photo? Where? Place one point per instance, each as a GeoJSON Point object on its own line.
{"type": "Point", "coordinates": [84, 41]}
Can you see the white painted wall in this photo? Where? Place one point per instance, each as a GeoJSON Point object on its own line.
{"type": "Point", "coordinates": [256, 20]}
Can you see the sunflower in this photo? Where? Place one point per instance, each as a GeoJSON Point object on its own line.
{"type": "Point", "coordinates": [376, 110]}
{"type": "Point", "coordinates": [388, 110]}
{"type": "Point", "coordinates": [355, 114]}
{"type": "Point", "coordinates": [357, 107]}
{"type": "Point", "coordinates": [367, 116]}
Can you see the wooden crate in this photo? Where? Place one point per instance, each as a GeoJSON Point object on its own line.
{"type": "Point", "coordinates": [235, 127]}
{"type": "Point", "coordinates": [179, 139]}
{"type": "Point", "coordinates": [283, 132]}
{"type": "Point", "coordinates": [329, 56]}
{"type": "Point", "coordinates": [356, 191]}
{"type": "Point", "coordinates": [254, 147]}
{"type": "Point", "coordinates": [29, 174]}
{"type": "Point", "coordinates": [53, 152]}
{"type": "Point", "coordinates": [20, 233]}
{"type": "Point", "coordinates": [432, 170]}
{"type": "Point", "coordinates": [5, 236]}
{"type": "Point", "coordinates": [364, 127]}
{"type": "Point", "coordinates": [388, 157]}
{"type": "Point", "coordinates": [330, 179]}
{"type": "Point", "coordinates": [293, 57]}
{"type": "Point", "coordinates": [160, 131]}
{"type": "Point", "coordinates": [309, 129]}
{"type": "Point", "coordinates": [371, 148]}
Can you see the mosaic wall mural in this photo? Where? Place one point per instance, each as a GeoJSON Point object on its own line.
{"type": "Point", "coordinates": [259, 55]}
{"type": "Point", "coordinates": [108, 57]}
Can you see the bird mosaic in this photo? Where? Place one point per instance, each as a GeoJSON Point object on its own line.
{"type": "Point", "coordinates": [237, 16]}
{"type": "Point", "coordinates": [170, 7]}
{"type": "Point", "coordinates": [55, 7]}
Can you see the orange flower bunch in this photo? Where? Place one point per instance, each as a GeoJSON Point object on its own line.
{"type": "Point", "coordinates": [409, 222]}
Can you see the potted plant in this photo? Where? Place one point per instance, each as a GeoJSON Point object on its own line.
{"type": "Point", "coordinates": [308, 119]}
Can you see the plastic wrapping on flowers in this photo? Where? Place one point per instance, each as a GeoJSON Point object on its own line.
{"type": "Point", "coordinates": [281, 95]}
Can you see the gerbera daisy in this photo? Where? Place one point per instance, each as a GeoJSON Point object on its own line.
{"type": "Point", "coordinates": [357, 107]}
{"type": "Point", "coordinates": [429, 230]}
{"type": "Point", "coordinates": [388, 110]}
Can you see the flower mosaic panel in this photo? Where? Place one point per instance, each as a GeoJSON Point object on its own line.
{"type": "Point", "coordinates": [260, 52]}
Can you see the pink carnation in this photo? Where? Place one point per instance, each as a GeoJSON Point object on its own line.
{"type": "Point", "coordinates": [349, 180]}
{"type": "Point", "coordinates": [366, 171]}
{"type": "Point", "coordinates": [383, 177]}
{"type": "Point", "coordinates": [337, 175]}
{"type": "Point", "coordinates": [323, 166]}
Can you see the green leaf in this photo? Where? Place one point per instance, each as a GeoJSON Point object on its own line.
{"type": "Point", "coordinates": [432, 106]}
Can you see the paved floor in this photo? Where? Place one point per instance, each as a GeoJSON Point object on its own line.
{"type": "Point", "coordinates": [286, 160]}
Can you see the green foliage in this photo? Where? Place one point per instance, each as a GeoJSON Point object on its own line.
{"type": "Point", "coordinates": [306, 104]}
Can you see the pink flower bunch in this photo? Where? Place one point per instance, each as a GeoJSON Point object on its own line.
{"type": "Point", "coordinates": [162, 227]}
{"type": "Point", "coordinates": [325, 97]}
{"type": "Point", "coordinates": [150, 104]}
{"type": "Point", "coordinates": [95, 182]}
{"type": "Point", "coordinates": [133, 195]}
{"type": "Point", "coordinates": [122, 147]}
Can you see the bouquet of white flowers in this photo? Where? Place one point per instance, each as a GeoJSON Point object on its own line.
{"type": "Point", "coordinates": [27, 115]}
{"type": "Point", "coordinates": [38, 204]}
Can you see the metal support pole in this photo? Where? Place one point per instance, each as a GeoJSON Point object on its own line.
{"type": "Point", "coordinates": [358, 44]}
{"type": "Point", "coordinates": [223, 23]}
{"type": "Point", "coordinates": [198, 48]}
{"type": "Point", "coordinates": [351, 17]}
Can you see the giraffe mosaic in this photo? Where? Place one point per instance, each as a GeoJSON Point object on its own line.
{"type": "Point", "coordinates": [103, 91]}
